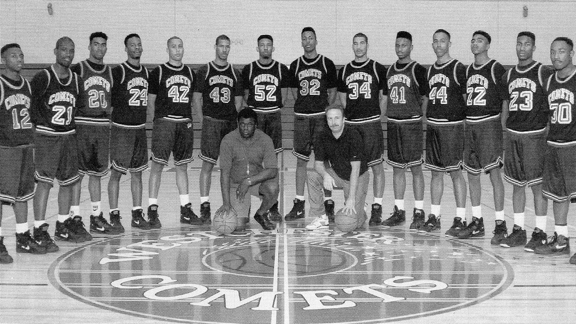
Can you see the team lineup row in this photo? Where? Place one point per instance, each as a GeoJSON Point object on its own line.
{"type": "Point", "coordinates": [81, 119]}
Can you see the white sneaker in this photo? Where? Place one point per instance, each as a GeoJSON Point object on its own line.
{"type": "Point", "coordinates": [318, 223]}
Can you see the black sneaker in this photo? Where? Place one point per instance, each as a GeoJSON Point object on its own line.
{"type": "Point", "coordinates": [457, 226]}
{"type": "Point", "coordinates": [264, 221]}
{"type": "Point", "coordinates": [115, 222]}
{"type": "Point", "coordinates": [138, 220]}
{"type": "Point", "coordinates": [516, 238]}
{"type": "Point", "coordinates": [297, 211]}
{"type": "Point", "coordinates": [153, 217]}
{"type": "Point", "coordinates": [432, 224]}
{"type": "Point", "coordinates": [556, 245]}
{"type": "Point", "coordinates": [5, 258]}
{"type": "Point", "coordinates": [99, 224]}
{"type": "Point", "coordinates": [500, 233]}
{"type": "Point", "coordinates": [72, 230]}
{"type": "Point", "coordinates": [205, 214]}
{"type": "Point", "coordinates": [274, 213]}
{"type": "Point", "coordinates": [329, 209]}
{"type": "Point", "coordinates": [187, 215]}
{"type": "Point", "coordinates": [398, 218]}
{"type": "Point", "coordinates": [473, 230]}
{"type": "Point", "coordinates": [375, 215]}
{"type": "Point", "coordinates": [42, 237]}
{"type": "Point", "coordinates": [573, 259]}
{"type": "Point", "coordinates": [418, 219]}
{"type": "Point", "coordinates": [25, 244]}
{"type": "Point", "coordinates": [538, 239]}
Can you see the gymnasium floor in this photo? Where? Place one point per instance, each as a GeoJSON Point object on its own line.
{"type": "Point", "coordinates": [188, 274]}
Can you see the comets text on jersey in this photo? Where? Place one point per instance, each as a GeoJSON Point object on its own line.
{"type": "Point", "coordinates": [315, 73]}
{"type": "Point", "coordinates": [265, 78]}
{"type": "Point", "coordinates": [62, 96]}
{"type": "Point", "coordinates": [137, 82]}
{"type": "Point", "coordinates": [561, 94]}
{"type": "Point", "coordinates": [522, 83]}
{"type": "Point", "coordinates": [477, 79]}
{"type": "Point", "coordinates": [363, 76]}
{"type": "Point", "coordinates": [399, 78]}
{"type": "Point", "coordinates": [221, 79]}
{"type": "Point", "coordinates": [178, 79]}
{"type": "Point", "coordinates": [439, 78]}
{"type": "Point", "coordinates": [97, 80]}
{"type": "Point", "coordinates": [17, 99]}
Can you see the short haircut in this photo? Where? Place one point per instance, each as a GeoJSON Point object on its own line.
{"type": "Point", "coordinates": [222, 37]}
{"type": "Point", "coordinates": [361, 35]}
{"type": "Point", "coordinates": [527, 34]}
{"type": "Point", "coordinates": [265, 36]}
{"type": "Point", "coordinates": [248, 113]}
{"type": "Point", "coordinates": [98, 34]}
{"type": "Point", "coordinates": [64, 39]}
{"type": "Point", "coordinates": [404, 34]}
{"type": "Point", "coordinates": [443, 31]}
{"type": "Point", "coordinates": [565, 39]}
{"type": "Point", "coordinates": [308, 29]}
{"type": "Point", "coordinates": [483, 33]}
{"type": "Point", "coordinates": [7, 47]}
{"type": "Point", "coordinates": [336, 107]}
{"type": "Point", "coordinates": [128, 37]}
{"type": "Point", "coordinates": [173, 37]}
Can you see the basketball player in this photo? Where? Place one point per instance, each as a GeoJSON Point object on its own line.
{"type": "Point", "coordinates": [93, 131]}
{"type": "Point", "coordinates": [170, 98]}
{"type": "Point", "coordinates": [16, 145]}
{"type": "Point", "coordinates": [405, 89]}
{"type": "Point", "coordinates": [265, 90]}
{"type": "Point", "coordinates": [526, 141]}
{"type": "Point", "coordinates": [340, 162]}
{"type": "Point", "coordinates": [360, 85]}
{"type": "Point", "coordinates": [560, 157]}
{"type": "Point", "coordinates": [129, 148]}
{"type": "Point", "coordinates": [56, 95]}
{"type": "Point", "coordinates": [445, 132]}
{"type": "Point", "coordinates": [219, 93]}
{"type": "Point", "coordinates": [248, 166]}
{"type": "Point", "coordinates": [313, 78]}
{"type": "Point", "coordinates": [483, 139]}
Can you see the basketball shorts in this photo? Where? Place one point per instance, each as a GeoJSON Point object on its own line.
{"type": "Point", "coordinates": [213, 131]}
{"type": "Point", "coordinates": [271, 124]}
{"type": "Point", "coordinates": [243, 208]}
{"type": "Point", "coordinates": [56, 157]}
{"type": "Point", "coordinates": [405, 144]}
{"type": "Point", "coordinates": [307, 131]}
{"type": "Point", "coordinates": [524, 158]}
{"type": "Point", "coordinates": [559, 180]}
{"type": "Point", "coordinates": [93, 149]}
{"type": "Point", "coordinates": [373, 139]}
{"type": "Point", "coordinates": [444, 147]}
{"type": "Point", "coordinates": [128, 149]}
{"type": "Point", "coordinates": [16, 173]}
{"type": "Point", "coordinates": [483, 146]}
{"type": "Point", "coordinates": [172, 137]}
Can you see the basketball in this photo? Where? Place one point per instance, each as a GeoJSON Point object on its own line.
{"type": "Point", "coordinates": [224, 223]}
{"type": "Point", "coordinates": [345, 222]}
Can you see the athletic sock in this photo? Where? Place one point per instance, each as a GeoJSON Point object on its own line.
{"type": "Point", "coordinates": [96, 208]}
{"type": "Point", "coordinates": [184, 200]}
{"type": "Point", "coordinates": [204, 199]}
{"type": "Point", "coordinates": [21, 228]}
{"type": "Point", "coordinates": [378, 201]}
{"type": "Point", "coordinates": [152, 201]}
{"type": "Point", "coordinates": [419, 204]}
{"type": "Point", "coordinates": [399, 203]}
{"type": "Point", "coordinates": [499, 215]}
{"type": "Point", "coordinates": [435, 210]}
{"type": "Point", "coordinates": [63, 218]}
{"type": "Point", "coordinates": [519, 219]}
{"type": "Point", "coordinates": [541, 222]}
{"type": "Point", "coordinates": [74, 210]}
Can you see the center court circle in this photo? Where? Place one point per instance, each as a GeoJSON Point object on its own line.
{"type": "Point", "coordinates": [295, 276]}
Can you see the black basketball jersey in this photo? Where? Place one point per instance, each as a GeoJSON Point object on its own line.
{"type": "Point", "coordinates": [404, 98]}
{"type": "Point", "coordinates": [15, 101]}
{"type": "Point", "coordinates": [527, 106]}
{"type": "Point", "coordinates": [484, 90]}
{"type": "Point", "coordinates": [264, 84]}
{"type": "Point", "coordinates": [219, 86]}
{"type": "Point", "coordinates": [55, 105]}
{"type": "Point", "coordinates": [173, 88]}
{"type": "Point", "coordinates": [446, 84]}
{"type": "Point", "coordinates": [312, 78]}
{"type": "Point", "coordinates": [362, 83]}
{"type": "Point", "coordinates": [129, 95]}
{"type": "Point", "coordinates": [561, 94]}
{"type": "Point", "coordinates": [97, 95]}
